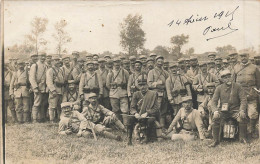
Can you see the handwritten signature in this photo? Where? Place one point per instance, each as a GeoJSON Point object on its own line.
{"type": "Point", "coordinates": [210, 29]}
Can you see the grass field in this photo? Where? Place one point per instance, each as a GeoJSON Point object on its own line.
{"type": "Point", "coordinates": [39, 143]}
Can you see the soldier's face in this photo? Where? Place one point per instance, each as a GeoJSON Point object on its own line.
{"type": "Point", "coordinates": [211, 58]}
{"type": "Point", "coordinates": [127, 66]}
{"type": "Point", "coordinates": [72, 87]}
{"type": "Point", "coordinates": [96, 66]}
{"type": "Point", "coordinates": [89, 58]}
{"type": "Point", "coordinates": [257, 61]}
{"type": "Point", "coordinates": [93, 101]}
{"type": "Point", "coordinates": [66, 61]}
{"type": "Point", "coordinates": [117, 65]}
{"type": "Point", "coordinates": [110, 65]}
{"type": "Point", "coordinates": [66, 111]}
{"type": "Point", "coordinates": [244, 58]}
{"type": "Point", "coordinates": [150, 65]}
{"type": "Point", "coordinates": [194, 62]}
{"type": "Point", "coordinates": [138, 66]}
{"type": "Point", "coordinates": [21, 66]}
{"type": "Point", "coordinates": [102, 64]}
{"type": "Point", "coordinates": [227, 79]}
{"type": "Point", "coordinates": [95, 58]}
{"type": "Point", "coordinates": [56, 62]}
{"type": "Point", "coordinates": [34, 59]}
{"type": "Point", "coordinates": [159, 62]}
{"type": "Point", "coordinates": [210, 90]}
{"type": "Point", "coordinates": [218, 62]}
{"type": "Point", "coordinates": [143, 60]}
{"type": "Point", "coordinates": [225, 65]}
{"type": "Point", "coordinates": [174, 69]}
{"type": "Point", "coordinates": [233, 58]}
{"type": "Point", "coordinates": [143, 87]}
{"type": "Point", "coordinates": [80, 63]}
{"type": "Point", "coordinates": [187, 105]}
{"type": "Point", "coordinates": [48, 60]}
{"type": "Point", "coordinates": [204, 68]}
{"type": "Point", "coordinates": [211, 65]}
{"type": "Point", "coordinates": [90, 67]}
{"type": "Point", "coordinates": [75, 56]}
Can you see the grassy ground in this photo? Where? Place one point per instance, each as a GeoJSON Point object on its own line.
{"type": "Point", "coordinates": [39, 143]}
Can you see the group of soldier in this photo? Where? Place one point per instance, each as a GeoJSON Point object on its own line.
{"type": "Point", "coordinates": [183, 99]}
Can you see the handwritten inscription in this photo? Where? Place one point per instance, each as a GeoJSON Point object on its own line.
{"type": "Point", "coordinates": [228, 29]}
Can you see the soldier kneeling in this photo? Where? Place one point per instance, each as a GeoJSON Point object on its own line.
{"type": "Point", "coordinates": [71, 121]}
{"type": "Point", "coordinates": [101, 117]}
{"type": "Point", "coordinates": [190, 122]}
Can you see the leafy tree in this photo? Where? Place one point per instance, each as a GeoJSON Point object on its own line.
{"type": "Point", "coordinates": [61, 36]}
{"type": "Point", "coordinates": [225, 50]}
{"type": "Point", "coordinates": [178, 41]}
{"type": "Point", "coordinates": [38, 28]}
{"type": "Point", "coordinates": [132, 35]}
{"type": "Point", "coordinates": [161, 50]}
{"type": "Point", "coordinates": [189, 51]}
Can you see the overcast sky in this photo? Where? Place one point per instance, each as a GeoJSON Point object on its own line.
{"type": "Point", "coordinates": [83, 17]}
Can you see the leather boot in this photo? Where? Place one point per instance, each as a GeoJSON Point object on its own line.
{"type": "Point", "coordinates": [252, 128]}
{"type": "Point", "coordinates": [19, 117]}
{"type": "Point", "coordinates": [26, 117]}
{"type": "Point", "coordinates": [243, 132]}
{"type": "Point", "coordinates": [120, 125]}
{"type": "Point", "coordinates": [112, 136]}
{"type": "Point", "coordinates": [129, 135]}
{"type": "Point", "coordinates": [215, 133]}
{"type": "Point", "coordinates": [14, 117]}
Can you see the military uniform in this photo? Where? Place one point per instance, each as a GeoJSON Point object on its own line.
{"type": "Point", "coordinates": [117, 83]}
{"type": "Point", "coordinates": [9, 103]}
{"type": "Point", "coordinates": [132, 85]}
{"type": "Point", "coordinates": [248, 76]}
{"type": "Point", "coordinates": [177, 87]}
{"type": "Point", "coordinates": [55, 82]}
{"type": "Point", "coordinates": [76, 74]}
{"type": "Point", "coordinates": [105, 99]}
{"type": "Point", "coordinates": [38, 84]}
{"type": "Point", "coordinates": [71, 94]}
{"type": "Point", "coordinates": [19, 89]}
{"type": "Point", "coordinates": [156, 81]}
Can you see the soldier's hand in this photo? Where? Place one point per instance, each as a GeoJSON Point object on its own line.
{"type": "Point", "coordinates": [68, 131]}
{"type": "Point", "coordinates": [12, 97]}
{"type": "Point", "coordinates": [130, 98]}
{"type": "Point", "coordinates": [171, 102]}
{"type": "Point", "coordinates": [79, 134]}
{"type": "Point", "coordinates": [82, 97]}
{"type": "Point", "coordinates": [137, 116]}
{"type": "Point", "coordinates": [54, 93]}
{"type": "Point", "coordinates": [242, 114]}
{"type": "Point", "coordinates": [144, 115]}
{"type": "Point", "coordinates": [216, 115]}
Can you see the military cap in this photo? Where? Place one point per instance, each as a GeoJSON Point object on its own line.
{"type": "Point", "coordinates": [81, 59]}
{"type": "Point", "coordinates": [138, 61]}
{"type": "Point", "coordinates": [42, 54]}
{"type": "Point", "coordinates": [107, 56]}
{"type": "Point", "coordinates": [65, 104]}
{"type": "Point", "coordinates": [71, 81]}
{"type": "Point", "coordinates": [193, 58]}
{"type": "Point", "coordinates": [152, 54]}
{"type": "Point", "coordinates": [244, 54]}
{"type": "Point", "coordinates": [65, 57]}
{"type": "Point", "coordinates": [75, 53]}
{"type": "Point", "coordinates": [218, 58]}
{"type": "Point", "coordinates": [225, 72]}
{"type": "Point", "coordinates": [100, 60]}
{"type": "Point", "coordinates": [212, 54]}
{"type": "Point", "coordinates": [131, 58]}
{"type": "Point", "coordinates": [159, 57]}
{"type": "Point", "coordinates": [202, 63]}
{"type": "Point", "coordinates": [211, 62]}
{"type": "Point", "coordinates": [142, 57]}
{"type": "Point", "coordinates": [142, 79]}
{"type": "Point", "coordinates": [187, 59]}
{"type": "Point", "coordinates": [19, 62]}
{"type": "Point", "coordinates": [90, 62]}
{"type": "Point", "coordinates": [95, 55]}
{"type": "Point", "coordinates": [89, 55]}
{"type": "Point", "coordinates": [166, 62]}
{"type": "Point", "coordinates": [117, 60]}
{"type": "Point", "coordinates": [257, 56]}
{"type": "Point", "coordinates": [33, 55]}
{"type": "Point", "coordinates": [150, 59]}
{"type": "Point", "coordinates": [126, 61]}
{"type": "Point", "coordinates": [49, 55]}
{"type": "Point", "coordinates": [56, 57]}
{"type": "Point", "coordinates": [110, 61]}
{"type": "Point", "coordinates": [181, 60]}
{"type": "Point", "coordinates": [186, 98]}
{"type": "Point", "coordinates": [211, 85]}
{"type": "Point", "coordinates": [122, 57]}
{"type": "Point", "coordinates": [174, 64]}
{"type": "Point", "coordinates": [225, 61]}
{"type": "Point", "coordinates": [233, 54]}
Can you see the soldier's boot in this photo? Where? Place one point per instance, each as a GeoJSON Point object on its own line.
{"type": "Point", "coordinates": [215, 133]}
{"type": "Point", "coordinates": [243, 132]}
{"type": "Point", "coordinates": [252, 128]}
{"type": "Point", "coordinates": [120, 125]}
{"type": "Point", "coordinates": [34, 114]}
{"type": "Point", "coordinates": [19, 117]}
{"type": "Point", "coordinates": [112, 136]}
{"type": "Point", "coordinates": [162, 123]}
{"type": "Point", "coordinates": [129, 135]}
{"type": "Point", "coordinates": [26, 117]}
{"type": "Point", "coordinates": [14, 117]}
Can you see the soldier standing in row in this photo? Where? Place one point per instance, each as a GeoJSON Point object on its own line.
{"type": "Point", "coordinates": [71, 95]}
{"type": "Point", "coordinates": [77, 71]}
{"type": "Point", "coordinates": [103, 72]}
{"type": "Point", "coordinates": [116, 81]}
{"type": "Point", "coordinates": [8, 103]}
{"type": "Point", "coordinates": [126, 65]}
{"type": "Point", "coordinates": [55, 82]}
{"type": "Point", "coordinates": [132, 85]}
{"type": "Point", "coordinates": [132, 63]}
{"type": "Point", "coordinates": [19, 92]}
{"type": "Point", "coordinates": [67, 69]}
{"type": "Point", "coordinates": [176, 87]}
{"type": "Point", "coordinates": [248, 76]}
{"type": "Point", "coordinates": [156, 81]}
{"type": "Point", "coordinates": [150, 65]}
{"type": "Point", "coordinates": [90, 82]}
{"type": "Point", "coordinates": [48, 61]}
{"type": "Point", "coordinates": [38, 84]}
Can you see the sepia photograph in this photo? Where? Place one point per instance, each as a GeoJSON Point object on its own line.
{"type": "Point", "coordinates": [122, 82]}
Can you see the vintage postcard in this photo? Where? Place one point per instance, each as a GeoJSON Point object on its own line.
{"type": "Point", "coordinates": [130, 81]}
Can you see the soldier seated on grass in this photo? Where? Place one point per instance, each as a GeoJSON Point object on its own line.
{"type": "Point", "coordinates": [72, 121]}
{"type": "Point", "coordinates": [101, 117]}
{"type": "Point", "coordinates": [189, 119]}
